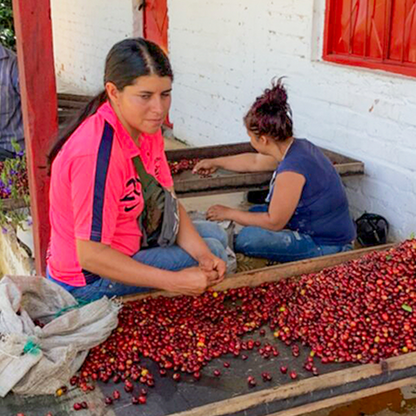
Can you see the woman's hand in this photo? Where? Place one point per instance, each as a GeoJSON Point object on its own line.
{"type": "Point", "coordinates": [206, 166]}
{"type": "Point", "coordinates": [219, 213]}
{"type": "Point", "coordinates": [214, 267]}
{"type": "Point", "coordinates": [191, 281]}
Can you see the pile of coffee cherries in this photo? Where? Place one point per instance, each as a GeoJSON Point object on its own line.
{"type": "Point", "coordinates": [182, 165]}
{"type": "Point", "coordinates": [362, 311]}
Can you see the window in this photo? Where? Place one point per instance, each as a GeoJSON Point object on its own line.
{"type": "Point", "coordinates": [379, 34]}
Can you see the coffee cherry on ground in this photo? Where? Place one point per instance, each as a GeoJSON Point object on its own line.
{"type": "Point", "coordinates": [266, 376]}
{"type": "Point", "coordinates": [295, 351]}
{"type": "Point", "coordinates": [197, 375]}
{"type": "Point", "coordinates": [176, 376]}
{"type": "Point", "coordinates": [77, 406]}
{"type": "Point", "coordinates": [73, 381]}
{"type": "Point", "coordinates": [135, 400]}
{"type": "Point", "coordinates": [293, 375]}
{"type": "Point", "coordinates": [108, 401]}
{"type": "Point", "coordinates": [251, 381]}
{"type": "Point", "coordinates": [217, 373]}
{"type": "Point", "coordinates": [142, 400]}
{"type": "Point", "coordinates": [283, 369]}
{"type": "Point", "coordinates": [116, 394]}
{"type": "Point", "coordinates": [226, 364]}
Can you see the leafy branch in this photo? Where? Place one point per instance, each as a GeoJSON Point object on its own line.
{"type": "Point", "coordinates": [14, 187]}
{"type": "Point", "coordinates": [7, 34]}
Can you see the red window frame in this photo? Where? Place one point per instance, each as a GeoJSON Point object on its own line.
{"type": "Point", "coordinates": [377, 34]}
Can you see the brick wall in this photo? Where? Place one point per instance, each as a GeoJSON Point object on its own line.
{"type": "Point", "coordinates": [225, 52]}
{"type": "Point", "coordinates": [83, 33]}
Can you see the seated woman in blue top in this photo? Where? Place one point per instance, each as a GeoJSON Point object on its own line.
{"type": "Point", "coordinates": [306, 212]}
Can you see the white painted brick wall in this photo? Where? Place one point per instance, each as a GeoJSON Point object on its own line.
{"type": "Point", "coordinates": [225, 52]}
{"type": "Point", "coordinates": [83, 33]}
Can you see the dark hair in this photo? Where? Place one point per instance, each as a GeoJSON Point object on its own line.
{"type": "Point", "coordinates": [270, 115]}
{"type": "Point", "coordinates": [126, 61]}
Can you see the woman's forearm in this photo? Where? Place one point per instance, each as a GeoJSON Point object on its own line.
{"type": "Point", "coordinates": [188, 238]}
{"type": "Point", "coordinates": [245, 162]}
{"type": "Point", "coordinates": [256, 219]}
{"type": "Point", "coordinates": [105, 261]}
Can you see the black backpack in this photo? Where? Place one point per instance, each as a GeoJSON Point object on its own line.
{"type": "Point", "coordinates": [372, 230]}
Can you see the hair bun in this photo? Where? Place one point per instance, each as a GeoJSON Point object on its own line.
{"type": "Point", "coordinates": [270, 114]}
{"type": "Point", "coordinates": [277, 94]}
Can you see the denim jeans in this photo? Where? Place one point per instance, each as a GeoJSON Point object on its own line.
{"type": "Point", "coordinates": [171, 258]}
{"type": "Point", "coordinates": [281, 246]}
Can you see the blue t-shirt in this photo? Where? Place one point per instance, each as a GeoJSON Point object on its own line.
{"type": "Point", "coordinates": [322, 211]}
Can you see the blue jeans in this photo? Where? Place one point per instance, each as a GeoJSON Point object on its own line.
{"type": "Point", "coordinates": [171, 258]}
{"type": "Point", "coordinates": [281, 246]}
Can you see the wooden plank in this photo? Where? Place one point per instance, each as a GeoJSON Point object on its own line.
{"type": "Point", "coordinates": [334, 401]}
{"type": "Point", "coordinates": [70, 104]}
{"type": "Point", "coordinates": [276, 273]}
{"type": "Point", "coordinates": [187, 184]}
{"type": "Point", "coordinates": [11, 204]}
{"type": "Point", "coordinates": [74, 97]}
{"type": "Point", "coordinates": [331, 380]}
{"type": "Point", "coordinates": [235, 149]}
{"type": "Point", "coordinates": [39, 107]}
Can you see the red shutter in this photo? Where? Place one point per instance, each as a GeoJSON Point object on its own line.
{"type": "Point", "coordinates": [341, 19]}
{"type": "Point", "coordinates": [358, 27]}
{"type": "Point", "coordinates": [403, 31]}
{"type": "Point", "coordinates": [376, 24]}
{"type": "Point", "coordinates": [410, 24]}
{"type": "Point", "coordinates": [378, 34]}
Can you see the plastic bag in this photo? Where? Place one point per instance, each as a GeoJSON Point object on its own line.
{"type": "Point", "coordinates": [35, 360]}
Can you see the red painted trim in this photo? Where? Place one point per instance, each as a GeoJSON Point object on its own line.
{"type": "Point", "coordinates": [154, 18]}
{"type": "Point", "coordinates": [403, 68]}
{"type": "Point", "coordinates": [156, 22]}
{"type": "Point", "coordinates": [328, 34]}
{"type": "Point", "coordinates": [390, 66]}
{"type": "Point", "coordinates": [32, 19]}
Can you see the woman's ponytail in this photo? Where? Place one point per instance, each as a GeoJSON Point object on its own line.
{"type": "Point", "coordinates": [90, 109]}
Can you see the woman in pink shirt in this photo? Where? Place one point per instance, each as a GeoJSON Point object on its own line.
{"type": "Point", "coordinates": [96, 195]}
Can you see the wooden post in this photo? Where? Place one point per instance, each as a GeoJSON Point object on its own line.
{"type": "Point", "coordinates": [32, 19]}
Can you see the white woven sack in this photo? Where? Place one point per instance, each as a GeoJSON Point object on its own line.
{"type": "Point", "coordinates": [60, 347]}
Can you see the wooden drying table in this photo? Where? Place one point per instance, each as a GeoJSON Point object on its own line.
{"type": "Point", "coordinates": [229, 395]}
{"type": "Point", "coordinates": [187, 184]}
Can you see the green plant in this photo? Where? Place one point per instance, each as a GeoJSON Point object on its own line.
{"type": "Point", "coordinates": [15, 190]}
{"type": "Point", "coordinates": [7, 35]}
